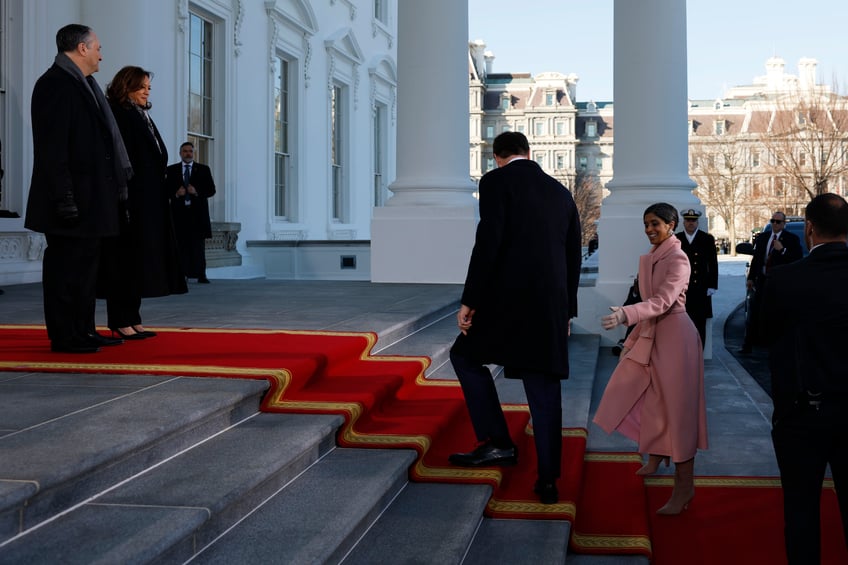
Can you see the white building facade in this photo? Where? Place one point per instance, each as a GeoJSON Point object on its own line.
{"type": "Point", "coordinates": [292, 103]}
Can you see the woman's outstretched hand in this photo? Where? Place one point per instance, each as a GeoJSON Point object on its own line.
{"type": "Point", "coordinates": [615, 319]}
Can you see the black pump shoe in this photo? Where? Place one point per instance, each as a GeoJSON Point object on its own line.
{"type": "Point", "coordinates": [122, 335]}
{"type": "Point", "coordinates": [145, 333]}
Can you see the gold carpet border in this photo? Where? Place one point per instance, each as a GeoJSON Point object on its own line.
{"type": "Point", "coordinates": [531, 508]}
{"type": "Point", "coordinates": [618, 544]}
{"type": "Point", "coordinates": [490, 475]}
{"type": "Point", "coordinates": [601, 457]}
{"type": "Point", "coordinates": [721, 482]}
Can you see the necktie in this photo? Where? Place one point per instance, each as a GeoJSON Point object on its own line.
{"type": "Point", "coordinates": [186, 177]}
{"type": "Point", "coordinates": [769, 249]}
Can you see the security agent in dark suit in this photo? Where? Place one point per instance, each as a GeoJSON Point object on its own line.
{"type": "Point", "coordinates": [770, 250]}
{"type": "Point", "coordinates": [79, 174]}
{"type": "Point", "coordinates": [805, 309]}
{"type": "Point", "coordinates": [700, 247]}
{"type": "Point", "coordinates": [190, 185]}
{"type": "Point", "coordinates": [519, 297]}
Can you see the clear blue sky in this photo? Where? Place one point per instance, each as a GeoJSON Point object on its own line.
{"type": "Point", "coordinates": [729, 41]}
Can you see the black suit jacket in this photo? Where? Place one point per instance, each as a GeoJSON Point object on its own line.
{"type": "Point", "coordinates": [524, 270]}
{"type": "Point", "coordinates": [703, 261]}
{"type": "Point", "coordinates": [805, 309]}
{"type": "Point", "coordinates": [145, 261]}
{"type": "Point", "coordinates": [195, 218]}
{"type": "Point", "coordinates": [792, 253]}
{"type": "Point", "coordinates": [72, 147]}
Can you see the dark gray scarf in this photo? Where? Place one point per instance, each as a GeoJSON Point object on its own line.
{"type": "Point", "coordinates": [123, 167]}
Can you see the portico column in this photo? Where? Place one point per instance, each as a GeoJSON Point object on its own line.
{"type": "Point", "coordinates": [651, 144]}
{"type": "Point", "coordinates": [425, 231]}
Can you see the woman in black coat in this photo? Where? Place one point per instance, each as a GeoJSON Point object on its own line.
{"type": "Point", "coordinates": [142, 261]}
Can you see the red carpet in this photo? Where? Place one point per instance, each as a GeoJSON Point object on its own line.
{"type": "Point", "coordinates": [732, 520]}
{"type": "Point", "coordinates": [386, 401]}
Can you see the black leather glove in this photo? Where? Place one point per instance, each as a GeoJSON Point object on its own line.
{"type": "Point", "coordinates": [67, 211]}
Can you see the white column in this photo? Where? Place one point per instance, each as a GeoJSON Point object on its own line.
{"type": "Point", "coordinates": [651, 144]}
{"type": "Point", "coordinates": [426, 230]}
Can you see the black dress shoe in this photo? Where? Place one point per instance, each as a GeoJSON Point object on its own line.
{"type": "Point", "coordinates": [746, 350]}
{"type": "Point", "coordinates": [486, 455]}
{"type": "Point", "coordinates": [73, 346]}
{"type": "Point", "coordinates": [203, 280]}
{"type": "Point", "coordinates": [547, 492]}
{"type": "Point", "coordinates": [98, 340]}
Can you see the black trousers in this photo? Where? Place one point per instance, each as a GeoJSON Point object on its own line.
{"type": "Point", "coordinates": [123, 312]}
{"type": "Point", "coordinates": [805, 441]}
{"type": "Point", "coordinates": [69, 282]}
{"type": "Point", "coordinates": [544, 396]}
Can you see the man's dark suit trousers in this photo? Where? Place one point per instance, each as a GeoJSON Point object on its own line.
{"type": "Point", "coordinates": [544, 396]}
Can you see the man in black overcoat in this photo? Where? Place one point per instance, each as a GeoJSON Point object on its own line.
{"type": "Point", "coordinates": [79, 174]}
{"type": "Point", "coordinates": [771, 249]}
{"type": "Point", "coordinates": [190, 185]}
{"type": "Point", "coordinates": [805, 308]}
{"type": "Point", "coordinates": [519, 297]}
{"type": "Point", "coordinates": [700, 247]}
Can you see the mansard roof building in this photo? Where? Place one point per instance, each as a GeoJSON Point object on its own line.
{"type": "Point", "coordinates": [760, 147]}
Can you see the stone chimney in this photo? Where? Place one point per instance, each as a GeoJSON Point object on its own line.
{"type": "Point", "coordinates": [807, 74]}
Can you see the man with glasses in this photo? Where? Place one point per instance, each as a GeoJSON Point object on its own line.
{"type": "Point", "coordinates": [771, 248]}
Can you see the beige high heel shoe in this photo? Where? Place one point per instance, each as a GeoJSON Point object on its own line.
{"type": "Point", "coordinates": [653, 464]}
{"type": "Point", "coordinates": [683, 491]}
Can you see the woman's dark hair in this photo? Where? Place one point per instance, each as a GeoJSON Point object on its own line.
{"type": "Point", "coordinates": [127, 80]}
{"type": "Point", "coordinates": [665, 212]}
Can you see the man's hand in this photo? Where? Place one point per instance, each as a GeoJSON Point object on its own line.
{"type": "Point", "coordinates": [192, 190]}
{"type": "Point", "coordinates": [67, 211]}
{"type": "Point", "coordinates": [749, 284]}
{"type": "Point", "coordinates": [181, 192]}
{"type": "Point", "coordinates": [612, 320]}
{"type": "Point", "coordinates": [777, 246]}
{"type": "Point", "coordinates": [463, 318]}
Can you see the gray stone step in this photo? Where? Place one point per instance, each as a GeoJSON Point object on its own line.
{"type": "Point", "coordinates": [106, 429]}
{"type": "Point", "coordinates": [168, 512]}
{"type": "Point", "coordinates": [319, 517]}
{"type": "Point", "coordinates": [426, 523]}
{"type": "Point", "coordinates": [433, 340]}
{"type": "Point", "coordinates": [542, 541]}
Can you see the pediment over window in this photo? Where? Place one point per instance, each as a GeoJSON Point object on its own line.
{"type": "Point", "coordinates": [343, 43]}
{"type": "Point", "coordinates": [384, 68]}
{"type": "Point", "coordinates": [295, 13]}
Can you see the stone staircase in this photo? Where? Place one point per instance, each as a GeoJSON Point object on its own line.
{"type": "Point", "coordinates": [152, 469]}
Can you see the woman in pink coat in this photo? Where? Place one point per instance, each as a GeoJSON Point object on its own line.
{"type": "Point", "coordinates": [655, 396]}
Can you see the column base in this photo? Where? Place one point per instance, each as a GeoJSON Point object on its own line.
{"type": "Point", "coordinates": [422, 244]}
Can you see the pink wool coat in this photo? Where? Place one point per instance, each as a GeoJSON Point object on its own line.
{"type": "Point", "coordinates": [655, 396]}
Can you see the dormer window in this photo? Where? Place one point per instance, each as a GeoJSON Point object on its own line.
{"type": "Point", "coordinates": [591, 129]}
{"type": "Point", "coordinates": [720, 127]}
{"type": "Point", "coordinates": [717, 105]}
{"type": "Point", "coordinates": [505, 101]}
{"type": "Point", "coordinates": [549, 99]}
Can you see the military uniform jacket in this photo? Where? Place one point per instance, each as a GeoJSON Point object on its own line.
{"type": "Point", "coordinates": [703, 274]}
